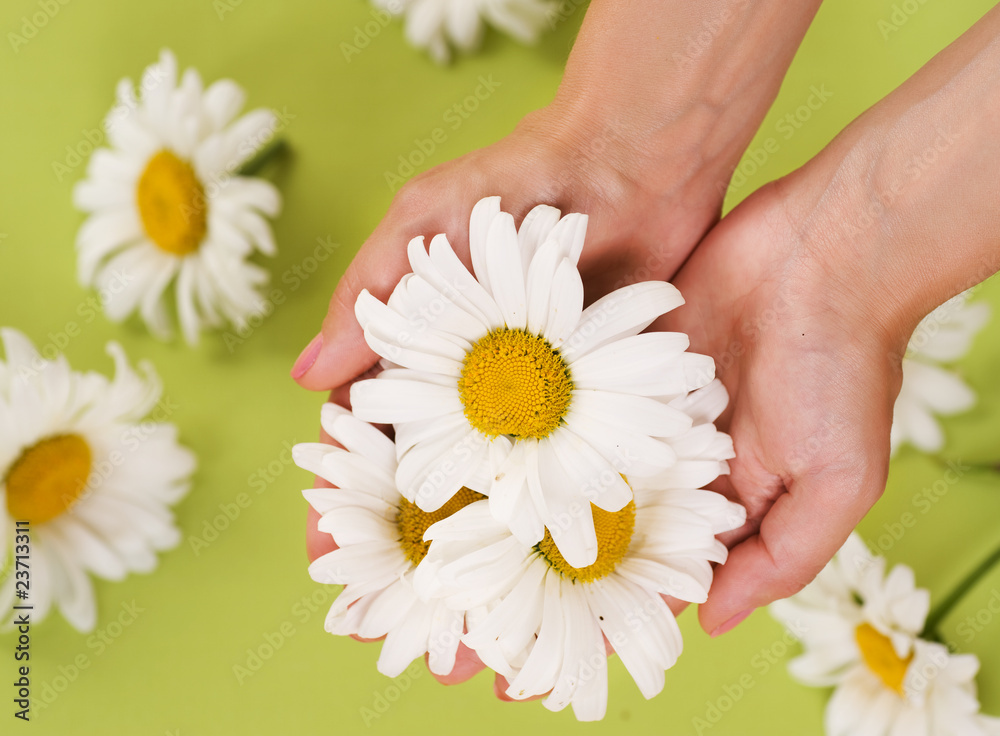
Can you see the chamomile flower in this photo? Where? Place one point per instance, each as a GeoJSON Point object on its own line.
{"type": "Point", "coordinates": [92, 479]}
{"type": "Point", "coordinates": [860, 629]}
{"type": "Point", "coordinates": [380, 542]}
{"type": "Point", "coordinates": [436, 25]}
{"type": "Point", "coordinates": [506, 369]}
{"type": "Point", "coordinates": [168, 209]}
{"type": "Point", "coordinates": [928, 389]}
{"type": "Point", "coordinates": [547, 631]}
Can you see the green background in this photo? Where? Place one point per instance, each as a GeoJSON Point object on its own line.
{"type": "Point", "coordinates": [169, 669]}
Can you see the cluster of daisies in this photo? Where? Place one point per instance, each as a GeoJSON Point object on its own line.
{"type": "Point", "coordinates": [544, 490]}
{"type": "Point", "coordinates": [91, 464]}
{"type": "Point", "coordinates": [542, 495]}
{"type": "Point", "coordinates": [864, 632]}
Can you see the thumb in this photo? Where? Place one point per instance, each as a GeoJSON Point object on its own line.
{"type": "Point", "coordinates": [339, 352]}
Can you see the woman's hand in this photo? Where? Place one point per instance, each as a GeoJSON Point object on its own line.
{"type": "Point", "coordinates": [656, 107]}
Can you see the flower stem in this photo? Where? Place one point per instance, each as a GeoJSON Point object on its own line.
{"type": "Point", "coordinates": [945, 607]}
{"type": "Point", "coordinates": [253, 165]}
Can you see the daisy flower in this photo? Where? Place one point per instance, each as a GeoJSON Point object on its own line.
{"type": "Point", "coordinates": [547, 632]}
{"type": "Point", "coordinates": [928, 389]}
{"type": "Point", "coordinates": [860, 628]}
{"type": "Point", "coordinates": [380, 542]}
{"type": "Point", "coordinates": [434, 24]}
{"type": "Point", "coordinates": [168, 208]}
{"type": "Point", "coordinates": [92, 479]}
{"type": "Point", "coordinates": [506, 368]}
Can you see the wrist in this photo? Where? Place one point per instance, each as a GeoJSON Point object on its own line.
{"type": "Point", "coordinates": [694, 77]}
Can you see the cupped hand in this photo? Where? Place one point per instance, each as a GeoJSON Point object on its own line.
{"type": "Point", "coordinates": [648, 207]}
{"type": "Point", "coordinates": [812, 366]}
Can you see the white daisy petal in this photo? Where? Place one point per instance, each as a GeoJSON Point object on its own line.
{"type": "Point", "coordinates": [437, 25]}
{"type": "Point", "coordinates": [381, 556]}
{"type": "Point", "coordinates": [535, 229]}
{"type": "Point", "coordinates": [944, 336]}
{"type": "Point", "coordinates": [94, 485]}
{"type": "Point", "coordinates": [622, 313]}
{"type": "Point", "coordinates": [565, 303]}
{"type": "Point", "coordinates": [503, 258]}
{"type": "Point", "coordinates": [383, 401]}
{"type": "Point", "coordinates": [480, 223]}
{"type": "Point", "coordinates": [168, 208]}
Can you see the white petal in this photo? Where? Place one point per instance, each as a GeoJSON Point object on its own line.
{"type": "Point", "coordinates": [479, 226]}
{"type": "Point", "coordinates": [386, 401]}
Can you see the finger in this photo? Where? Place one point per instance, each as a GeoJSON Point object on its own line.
{"type": "Point", "coordinates": [467, 665]}
{"type": "Point", "coordinates": [799, 534]}
{"type": "Point", "coordinates": [317, 543]}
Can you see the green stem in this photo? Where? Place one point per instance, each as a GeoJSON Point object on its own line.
{"type": "Point", "coordinates": [255, 164]}
{"type": "Point", "coordinates": [945, 607]}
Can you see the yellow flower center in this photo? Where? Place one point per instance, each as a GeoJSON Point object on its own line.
{"type": "Point", "coordinates": [413, 522]}
{"type": "Point", "coordinates": [516, 384]}
{"type": "Point", "coordinates": [614, 534]}
{"type": "Point", "coordinates": [172, 204]}
{"type": "Point", "coordinates": [48, 478]}
{"type": "Point", "coordinates": [881, 658]}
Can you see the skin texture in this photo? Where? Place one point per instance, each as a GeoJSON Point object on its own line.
{"type": "Point", "coordinates": [805, 295]}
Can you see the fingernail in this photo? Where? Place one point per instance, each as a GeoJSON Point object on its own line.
{"type": "Point", "coordinates": [308, 357]}
{"type": "Point", "coordinates": [732, 623]}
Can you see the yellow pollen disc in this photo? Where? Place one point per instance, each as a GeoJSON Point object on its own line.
{"type": "Point", "coordinates": [516, 384]}
{"type": "Point", "coordinates": [413, 522]}
{"type": "Point", "coordinates": [614, 534]}
{"type": "Point", "coordinates": [172, 204]}
{"type": "Point", "coordinates": [881, 658]}
{"type": "Point", "coordinates": [48, 478]}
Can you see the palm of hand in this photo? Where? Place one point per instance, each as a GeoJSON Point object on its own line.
{"type": "Point", "coordinates": [811, 394]}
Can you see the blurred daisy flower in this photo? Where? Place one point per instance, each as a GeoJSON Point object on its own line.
{"type": "Point", "coordinates": [928, 389]}
{"type": "Point", "coordinates": [436, 25]}
{"type": "Point", "coordinates": [168, 207]}
{"type": "Point", "coordinates": [380, 540]}
{"type": "Point", "coordinates": [92, 479]}
{"type": "Point", "coordinates": [506, 371]}
{"type": "Point", "coordinates": [861, 630]}
{"type": "Point", "coordinates": [547, 632]}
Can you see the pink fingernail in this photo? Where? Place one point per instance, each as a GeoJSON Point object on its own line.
{"type": "Point", "coordinates": [732, 623]}
{"type": "Point", "coordinates": [308, 357]}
